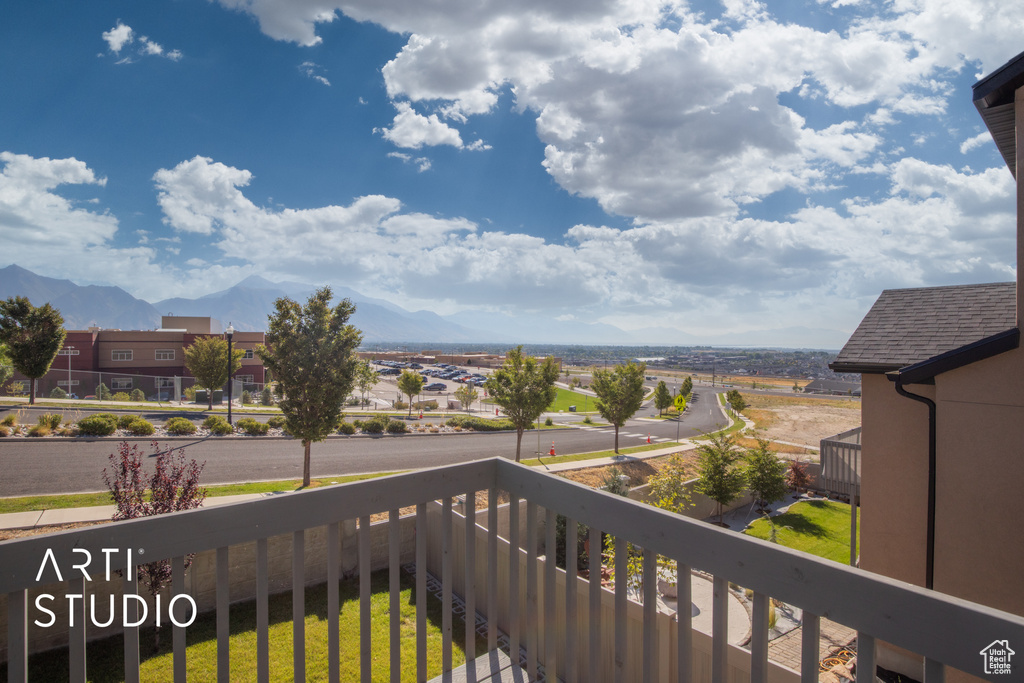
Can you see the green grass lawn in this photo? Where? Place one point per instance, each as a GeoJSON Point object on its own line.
{"type": "Point", "coordinates": [105, 659]}
{"type": "Point", "coordinates": [819, 527]}
{"type": "Point", "coordinates": [533, 462]}
{"type": "Point", "coordinates": [565, 398]}
{"type": "Point", "coordinates": [81, 500]}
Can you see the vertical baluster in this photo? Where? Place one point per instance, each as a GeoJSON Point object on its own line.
{"type": "Point", "coordinates": [395, 590]}
{"type": "Point", "coordinates": [132, 660]}
{"type": "Point", "coordinates": [365, 644]}
{"type": "Point", "coordinates": [719, 628]}
{"type": "Point", "coordinates": [421, 592]}
{"type": "Point", "coordinates": [531, 590]}
{"type": "Point", "coordinates": [621, 581]}
{"type": "Point", "coordinates": [470, 591]}
{"type": "Point", "coordinates": [492, 569]}
{"type": "Point", "coordinates": [684, 617]}
{"type": "Point", "coordinates": [178, 632]}
{"type": "Point", "coordinates": [811, 625]}
{"type": "Point", "coordinates": [550, 657]}
{"type": "Point", "coordinates": [17, 637]}
{"type": "Point", "coordinates": [76, 633]}
{"type": "Point", "coordinates": [571, 584]}
{"type": "Point", "coordinates": [333, 602]}
{"type": "Point", "coordinates": [223, 616]}
{"type": "Point", "coordinates": [759, 639]}
{"type": "Point", "coordinates": [513, 578]}
{"type": "Point", "coordinates": [934, 671]}
{"type": "Point", "coordinates": [594, 622]}
{"type": "Point", "coordinates": [299, 605]}
{"type": "Point", "coordinates": [650, 588]}
{"type": "Point", "coordinates": [446, 584]}
{"type": "Point", "coordinates": [865, 658]}
{"type": "Point", "coordinates": [262, 612]}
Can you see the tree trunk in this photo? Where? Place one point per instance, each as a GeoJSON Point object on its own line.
{"type": "Point", "coordinates": [209, 396]}
{"type": "Point", "coordinates": [519, 441]}
{"type": "Point", "coordinates": [616, 439]}
{"type": "Point", "coordinates": [32, 392]}
{"type": "Point", "coordinates": [305, 464]}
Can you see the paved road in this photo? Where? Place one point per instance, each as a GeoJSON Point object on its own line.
{"type": "Point", "coordinates": [31, 467]}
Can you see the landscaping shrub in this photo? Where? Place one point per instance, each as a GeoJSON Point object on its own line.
{"type": "Point", "coordinates": [347, 428]}
{"type": "Point", "coordinates": [190, 394]}
{"type": "Point", "coordinates": [276, 422]}
{"type": "Point", "coordinates": [39, 430]}
{"type": "Point", "coordinates": [376, 424]}
{"type": "Point", "coordinates": [140, 426]}
{"type": "Point", "coordinates": [217, 425]}
{"type": "Point", "coordinates": [425, 405]}
{"type": "Point", "coordinates": [179, 426]}
{"type": "Point", "coordinates": [121, 396]}
{"type": "Point", "coordinates": [267, 396]}
{"type": "Point", "coordinates": [549, 423]}
{"type": "Point", "coordinates": [5, 430]}
{"type": "Point", "coordinates": [10, 420]}
{"type": "Point", "coordinates": [401, 405]}
{"type": "Point", "coordinates": [479, 424]}
{"type": "Point", "coordinates": [246, 398]}
{"type": "Point", "coordinates": [253, 427]}
{"type": "Point", "coordinates": [124, 421]}
{"type": "Point", "coordinates": [587, 420]}
{"type": "Point", "coordinates": [58, 393]}
{"type": "Point", "coordinates": [50, 420]}
{"type": "Point", "coordinates": [97, 425]}
{"type": "Point", "coordinates": [138, 395]}
{"type": "Point", "coordinates": [102, 392]}
{"type": "Point", "coordinates": [396, 427]}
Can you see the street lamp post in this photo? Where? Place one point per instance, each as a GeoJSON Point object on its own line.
{"type": "Point", "coordinates": [69, 348]}
{"type": "Point", "coordinates": [230, 332]}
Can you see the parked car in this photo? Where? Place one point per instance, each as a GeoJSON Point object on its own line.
{"type": "Point", "coordinates": [436, 386]}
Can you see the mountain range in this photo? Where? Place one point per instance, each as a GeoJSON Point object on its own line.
{"type": "Point", "coordinates": [247, 305]}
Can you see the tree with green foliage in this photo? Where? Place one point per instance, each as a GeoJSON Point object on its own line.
{"type": "Point", "coordinates": [662, 397]}
{"type": "Point", "coordinates": [33, 337]}
{"type": "Point", "coordinates": [411, 384]}
{"type": "Point", "coordinates": [6, 368]}
{"type": "Point", "coordinates": [465, 395]}
{"type": "Point", "coordinates": [103, 392]}
{"type": "Point", "coordinates": [667, 487]}
{"type": "Point", "coordinates": [524, 387]}
{"type": "Point", "coordinates": [765, 474]}
{"type": "Point", "coordinates": [366, 378]}
{"type": "Point", "coordinates": [311, 350]}
{"type": "Point", "coordinates": [735, 400]}
{"type": "Point", "coordinates": [719, 478]}
{"type": "Point", "coordinates": [687, 387]}
{"type": "Point", "coordinates": [207, 359]}
{"type": "Point", "coordinates": [620, 393]}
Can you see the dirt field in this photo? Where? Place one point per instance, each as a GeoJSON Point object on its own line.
{"type": "Point", "coordinates": [801, 420]}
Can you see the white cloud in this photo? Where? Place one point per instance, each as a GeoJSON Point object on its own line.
{"type": "Point", "coordinates": [413, 130]}
{"type": "Point", "coordinates": [422, 163]}
{"type": "Point", "coordinates": [118, 37]}
{"type": "Point", "coordinates": [314, 71]}
{"type": "Point", "coordinates": [977, 141]}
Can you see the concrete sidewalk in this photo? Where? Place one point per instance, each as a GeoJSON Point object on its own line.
{"type": "Point", "coordinates": [103, 513]}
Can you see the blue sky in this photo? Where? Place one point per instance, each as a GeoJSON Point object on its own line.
{"type": "Point", "coordinates": [708, 167]}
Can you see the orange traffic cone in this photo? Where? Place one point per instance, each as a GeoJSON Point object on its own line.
{"type": "Point", "coordinates": [421, 417]}
{"type": "Point", "coordinates": [495, 412]}
{"type": "Point", "coordinates": [648, 435]}
{"type": "Point", "coordinates": [552, 452]}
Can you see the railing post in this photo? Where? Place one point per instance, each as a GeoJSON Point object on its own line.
{"type": "Point", "coordinates": [395, 590]}
{"type": "Point", "coordinates": [621, 584]}
{"type": "Point", "coordinates": [132, 660]}
{"type": "Point", "coordinates": [470, 588]}
{"type": "Point", "coordinates": [531, 590]}
{"type": "Point", "coordinates": [262, 612]}
{"type": "Point", "coordinates": [178, 632]}
{"type": "Point", "coordinates": [594, 612]}
{"type": "Point", "coordinates": [365, 642]}
{"type": "Point", "coordinates": [759, 639]}
{"type": "Point", "coordinates": [446, 584]}
{"type": "Point", "coordinates": [421, 592]}
{"type": "Point", "coordinates": [223, 616]}
{"type": "Point", "coordinates": [650, 588]}
{"type": "Point", "coordinates": [719, 628]}
{"type": "Point", "coordinates": [550, 653]}
{"type": "Point", "coordinates": [513, 579]}
{"type": "Point", "coordinates": [333, 602]}
{"type": "Point", "coordinates": [684, 626]}
{"type": "Point", "coordinates": [492, 569]}
{"type": "Point", "coordinates": [809, 644]}
{"type": "Point", "coordinates": [17, 637]}
{"type": "Point", "coordinates": [76, 635]}
{"type": "Point", "coordinates": [299, 605]}
{"type": "Point", "coordinates": [865, 658]}
{"type": "Point", "coordinates": [571, 585]}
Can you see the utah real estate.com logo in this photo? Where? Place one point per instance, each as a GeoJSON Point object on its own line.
{"type": "Point", "coordinates": [997, 657]}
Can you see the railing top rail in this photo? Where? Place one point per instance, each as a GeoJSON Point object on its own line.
{"type": "Point", "coordinates": [182, 533]}
{"type": "Point", "coordinates": [843, 437]}
{"type": "Point", "coordinates": [941, 627]}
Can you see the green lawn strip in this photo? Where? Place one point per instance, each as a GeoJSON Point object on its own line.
{"type": "Point", "coordinates": [818, 527]}
{"type": "Point", "coordinates": [533, 462]}
{"type": "Point", "coordinates": [105, 658]}
{"type": "Point", "coordinates": [563, 399]}
{"type": "Point", "coordinates": [81, 500]}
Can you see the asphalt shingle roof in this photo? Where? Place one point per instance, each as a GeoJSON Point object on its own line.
{"type": "Point", "coordinates": [907, 326]}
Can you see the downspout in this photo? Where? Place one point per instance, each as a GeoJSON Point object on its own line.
{"type": "Point", "coordinates": [929, 576]}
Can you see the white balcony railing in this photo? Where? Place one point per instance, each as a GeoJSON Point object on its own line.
{"type": "Point", "coordinates": [572, 627]}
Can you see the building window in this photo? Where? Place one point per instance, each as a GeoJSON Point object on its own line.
{"type": "Point", "coordinates": [165, 354]}
{"type": "Point", "coordinates": [64, 383]}
{"type": "Point", "coordinates": [244, 379]}
{"type": "Point", "coordinates": [121, 383]}
{"type": "Point", "coordinates": [68, 352]}
{"type": "Point", "coordinates": [164, 382]}
{"type": "Point", "coordinates": [120, 355]}
{"type": "Point", "coordinates": [248, 354]}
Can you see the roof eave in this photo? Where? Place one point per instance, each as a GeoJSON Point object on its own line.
{"type": "Point", "coordinates": [926, 370]}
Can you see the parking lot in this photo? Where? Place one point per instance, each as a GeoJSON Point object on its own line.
{"type": "Point", "coordinates": [440, 381]}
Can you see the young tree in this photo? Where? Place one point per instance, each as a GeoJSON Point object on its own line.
{"type": "Point", "coordinates": [662, 397]}
{"type": "Point", "coordinates": [411, 384]}
{"type": "Point", "coordinates": [465, 395]}
{"type": "Point", "coordinates": [735, 400]}
{"type": "Point", "coordinates": [366, 378]}
{"type": "Point", "coordinates": [311, 350]}
{"type": "Point", "coordinates": [687, 387]}
{"type": "Point", "coordinates": [719, 479]}
{"type": "Point", "coordinates": [620, 392]}
{"type": "Point", "coordinates": [766, 474]}
{"type": "Point", "coordinates": [6, 369]}
{"type": "Point", "coordinates": [667, 486]}
{"type": "Point", "coordinates": [524, 387]}
{"type": "Point", "coordinates": [207, 360]}
{"type": "Point", "coordinates": [173, 486]}
{"type": "Point", "coordinates": [33, 336]}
